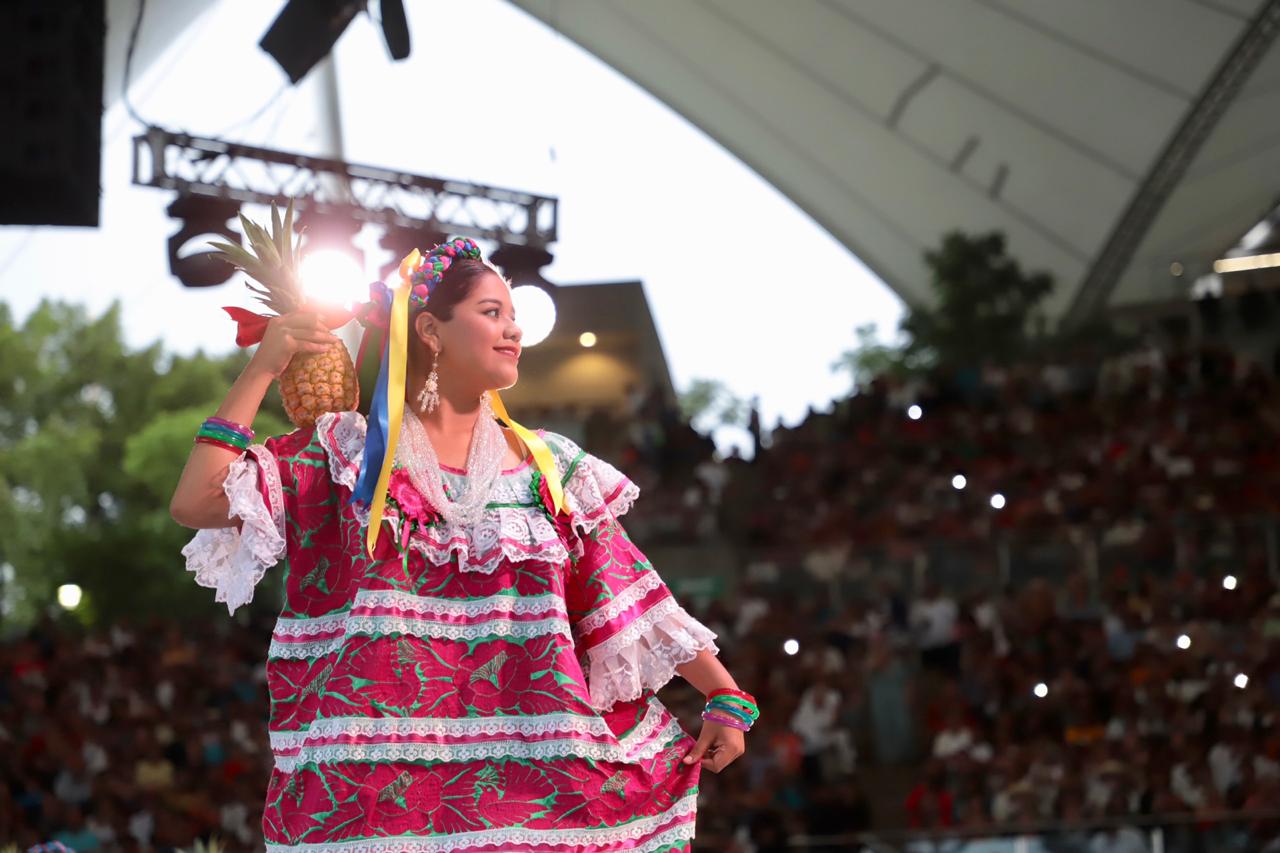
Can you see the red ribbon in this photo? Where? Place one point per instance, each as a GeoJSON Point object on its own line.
{"type": "Point", "coordinates": [251, 327]}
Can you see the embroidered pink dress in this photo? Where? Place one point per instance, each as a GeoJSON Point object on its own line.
{"type": "Point", "coordinates": [488, 689]}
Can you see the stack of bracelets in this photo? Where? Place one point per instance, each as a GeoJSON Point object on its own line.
{"type": "Point", "coordinates": [224, 433]}
{"type": "Point", "coordinates": [734, 708]}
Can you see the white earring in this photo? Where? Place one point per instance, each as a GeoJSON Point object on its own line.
{"type": "Point", "coordinates": [429, 398]}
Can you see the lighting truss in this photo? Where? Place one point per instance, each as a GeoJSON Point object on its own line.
{"type": "Point", "coordinates": [214, 168]}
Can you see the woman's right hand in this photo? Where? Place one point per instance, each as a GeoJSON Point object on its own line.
{"type": "Point", "coordinates": [286, 336]}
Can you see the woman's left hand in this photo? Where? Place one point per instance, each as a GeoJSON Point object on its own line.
{"type": "Point", "coordinates": [718, 746]}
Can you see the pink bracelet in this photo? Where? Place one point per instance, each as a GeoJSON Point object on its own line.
{"type": "Point", "coordinates": [713, 717]}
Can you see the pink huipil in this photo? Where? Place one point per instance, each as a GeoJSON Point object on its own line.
{"type": "Point", "coordinates": [488, 688]}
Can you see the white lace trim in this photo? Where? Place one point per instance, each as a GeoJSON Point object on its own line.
{"type": "Point", "coordinates": [647, 582]}
{"type": "Point", "coordinates": [595, 492]}
{"type": "Point", "coordinates": [325, 634]}
{"type": "Point", "coordinates": [232, 562]}
{"type": "Point", "coordinates": [645, 654]}
{"type": "Point", "coordinates": [648, 831]}
{"type": "Point", "coordinates": [567, 747]}
{"type": "Point", "coordinates": [451, 631]}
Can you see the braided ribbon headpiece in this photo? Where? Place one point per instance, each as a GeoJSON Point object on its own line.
{"type": "Point", "coordinates": [388, 311]}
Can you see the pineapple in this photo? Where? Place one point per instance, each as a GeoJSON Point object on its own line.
{"type": "Point", "coordinates": [313, 383]}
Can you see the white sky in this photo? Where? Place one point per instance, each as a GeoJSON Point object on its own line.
{"type": "Point", "coordinates": [498, 98]}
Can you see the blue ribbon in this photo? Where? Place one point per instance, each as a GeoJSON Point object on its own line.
{"type": "Point", "coordinates": [375, 442]}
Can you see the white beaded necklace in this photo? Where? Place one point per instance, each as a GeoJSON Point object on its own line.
{"type": "Point", "coordinates": [484, 464]}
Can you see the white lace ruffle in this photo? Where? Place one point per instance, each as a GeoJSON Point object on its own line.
{"type": "Point", "coordinates": [595, 492]}
{"type": "Point", "coordinates": [644, 655]}
{"type": "Point", "coordinates": [232, 562]}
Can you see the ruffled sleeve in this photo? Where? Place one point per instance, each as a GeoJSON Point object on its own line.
{"type": "Point", "coordinates": [630, 631]}
{"type": "Point", "coordinates": [232, 561]}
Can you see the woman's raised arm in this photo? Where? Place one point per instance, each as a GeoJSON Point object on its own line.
{"type": "Point", "coordinates": [198, 500]}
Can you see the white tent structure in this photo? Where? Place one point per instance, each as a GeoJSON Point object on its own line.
{"type": "Point", "coordinates": [1107, 140]}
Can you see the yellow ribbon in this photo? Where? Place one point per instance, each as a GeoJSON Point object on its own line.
{"type": "Point", "coordinates": [396, 354]}
{"type": "Point", "coordinates": [396, 370]}
{"type": "Point", "coordinates": [541, 453]}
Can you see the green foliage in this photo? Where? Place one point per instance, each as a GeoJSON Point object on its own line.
{"type": "Point", "coordinates": [93, 437]}
{"type": "Point", "coordinates": [984, 307]}
{"type": "Point", "coordinates": [709, 403]}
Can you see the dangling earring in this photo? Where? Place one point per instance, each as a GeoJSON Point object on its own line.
{"type": "Point", "coordinates": [429, 398]}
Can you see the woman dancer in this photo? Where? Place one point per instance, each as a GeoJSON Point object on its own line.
{"type": "Point", "coordinates": [469, 645]}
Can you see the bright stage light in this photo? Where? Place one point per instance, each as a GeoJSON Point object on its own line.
{"type": "Point", "coordinates": [1041, 690]}
{"type": "Point", "coordinates": [535, 313]}
{"type": "Point", "coordinates": [1184, 642]}
{"type": "Point", "coordinates": [958, 482]}
{"type": "Point", "coordinates": [997, 501]}
{"type": "Point", "coordinates": [1242, 681]}
{"type": "Point", "coordinates": [915, 413]}
{"type": "Point", "coordinates": [587, 339]}
{"type": "Point", "coordinates": [333, 277]}
{"type": "Point", "coordinates": [1229, 582]}
{"type": "Point", "coordinates": [69, 596]}
{"type": "Point", "coordinates": [791, 647]}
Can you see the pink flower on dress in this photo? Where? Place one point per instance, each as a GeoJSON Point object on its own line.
{"type": "Point", "coordinates": [412, 504]}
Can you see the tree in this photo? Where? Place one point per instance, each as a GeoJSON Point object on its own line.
{"type": "Point", "coordinates": [93, 437]}
{"type": "Point", "coordinates": [984, 307]}
{"type": "Point", "coordinates": [708, 403]}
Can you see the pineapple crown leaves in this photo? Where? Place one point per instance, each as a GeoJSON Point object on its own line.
{"type": "Point", "coordinates": [273, 261]}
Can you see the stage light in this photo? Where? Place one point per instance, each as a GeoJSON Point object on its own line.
{"type": "Point", "coordinates": [587, 339]}
{"type": "Point", "coordinates": [791, 647]}
{"type": "Point", "coordinates": [535, 313]}
{"type": "Point", "coordinates": [958, 482]}
{"type": "Point", "coordinates": [69, 596]}
{"type": "Point", "coordinates": [915, 413]}
{"type": "Point", "coordinates": [191, 260]}
{"type": "Point", "coordinates": [997, 501]}
{"type": "Point", "coordinates": [333, 277]}
{"type": "Point", "coordinates": [1184, 642]}
{"type": "Point", "coordinates": [1242, 681]}
{"type": "Point", "coordinates": [1041, 690]}
{"type": "Point", "coordinates": [1229, 582]}
{"type": "Point", "coordinates": [395, 28]}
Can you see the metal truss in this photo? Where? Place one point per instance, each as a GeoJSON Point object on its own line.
{"type": "Point", "coordinates": [213, 168]}
{"type": "Point", "coordinates": [1159, 183]}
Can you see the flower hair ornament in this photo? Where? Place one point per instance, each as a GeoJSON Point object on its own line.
{"type": "Point", "coordinates": [388, 311]}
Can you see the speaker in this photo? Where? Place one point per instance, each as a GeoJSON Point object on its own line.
{"type": "Point", "coordinates": [51, 58]}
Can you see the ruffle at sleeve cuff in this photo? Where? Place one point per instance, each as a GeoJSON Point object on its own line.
{"type": "Point", "coordinates": [232, 562]}
{"type": "Point", "coordinates": [644, 655]}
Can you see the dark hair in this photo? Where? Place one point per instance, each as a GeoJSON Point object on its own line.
{"type": "Point", "coordinates": [458, 283]}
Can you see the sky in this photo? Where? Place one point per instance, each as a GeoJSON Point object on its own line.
{"type": "Point", "coordinates": [501, 99]}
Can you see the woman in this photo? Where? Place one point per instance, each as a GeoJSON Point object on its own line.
{"type": "Point", "coordinates": [470, 644]}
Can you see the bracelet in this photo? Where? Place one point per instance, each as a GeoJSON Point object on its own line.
{"type": "Point", "coordinates": [224, 434]}
{"type": "Point", "coordinates": [731, 692]}
{"type": "Point", "coordinates": [231, 425]}
{"type": "Point", "coordinates": [729, 710]}
{"type": "Point", "coordinates": [712, 717]}
{"type": "Point", "coordinates": [743, 701]}
{"type": "Point", "coordinates": [204, 439]}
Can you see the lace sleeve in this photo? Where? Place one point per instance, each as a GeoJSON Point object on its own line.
{"type": "Point", "coordinates": [231, 561]}
{"type": "Point", "coordinates": [630, 631]}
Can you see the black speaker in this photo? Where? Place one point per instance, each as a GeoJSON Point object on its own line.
{"type": "Point", "coordinates": [51, 111]}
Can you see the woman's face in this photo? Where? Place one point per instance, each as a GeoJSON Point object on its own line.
{"type": "Point", "coordinates": [480, 345]}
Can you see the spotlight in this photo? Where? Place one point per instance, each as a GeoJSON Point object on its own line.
{"type": "Point", "coordinates": [997, 501]}
{"type": "Point", "coordinates": [958, 482]}
{"type": "Point", "coordinates": [535, 313]}
{"type": "Point", "coordinates": [915, 413]}
{"type": "Point", "coordinates": [190, 259]}
{"type": "Point", "coordinates": [1242, 681]}
{"type": "Point", "coordinates": [1041, 690]}
{"type": "Point", "coordinates": [69, 596]}
{"type": "Point", "coordinates": [791, 647]}
{"type": "Point", "coordinates": [333, 277]}
{"type": "Point", "coordinates": [587, 339]}
{"type": "Point", "coordinates": [1184, 642]}
{"type": "Point", "coordinates": [1229, 582]}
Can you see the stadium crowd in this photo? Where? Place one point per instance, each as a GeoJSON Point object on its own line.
{"type": "Point", "coordinates": [1139, 678]}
